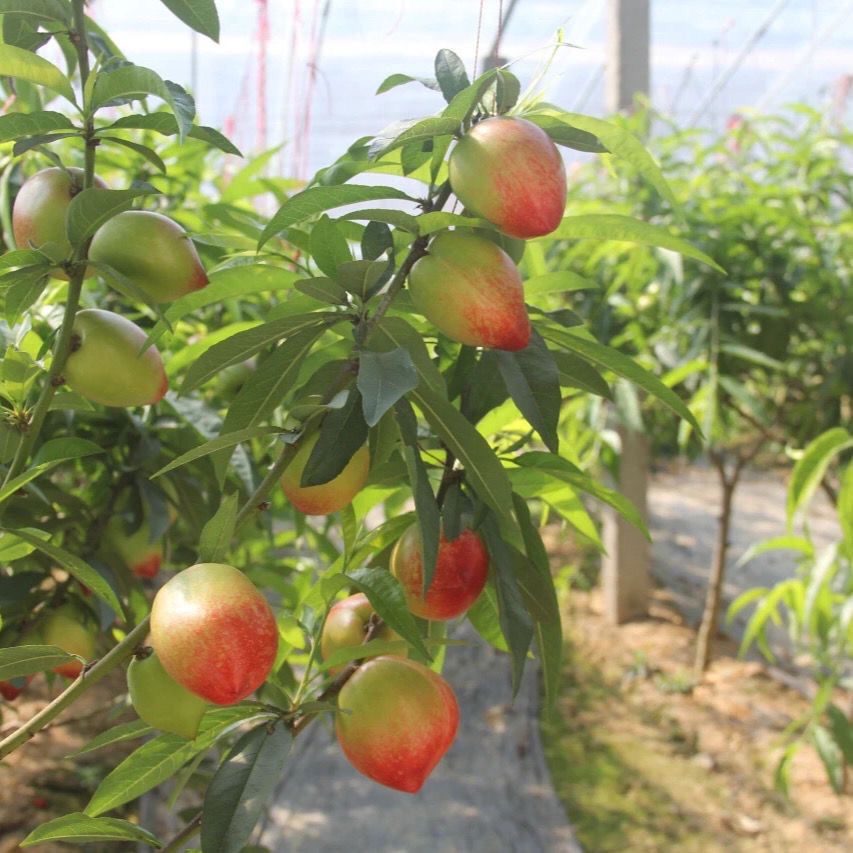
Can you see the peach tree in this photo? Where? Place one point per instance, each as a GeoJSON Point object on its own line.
{"type": "Point", "coordinates": [348, 397]}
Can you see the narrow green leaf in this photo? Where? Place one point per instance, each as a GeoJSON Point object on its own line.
{"type": "Point", "coordinates": [79, 828]}
{"type": "Point", "coordinates": [314, 200]}
{"type": "Point", "coordinates": [483, 471]}
{"type": "Point", "coordinates": [158, 759]}
{"type": "Point", "coordinates": [577, 373]}
{"type": "Point", "coordinates": [143, 151]}
{"type": "Point", "coordinates": [394, 80]}
{"type": "Point", "coordinates": [386, 595]}
{"type": "Point", "coordinates": [561, 281]}
{"type": "Point", "coordinates": [812, 465]}
{"type": "Point", "coordinates": [830, 755]}
{"type": "Point", "coordinates": [218, 443]}
{"type": "Point", "coordinates": [242, 788]}
{"type": "Point", "coordinates": [568, 136]}
{"type": "Point", "coordinates": [73, 564]}
{"type": "Point", "coordinates": [200, 15]}
{"type": "Point", "coordinates": [383, 378]}
{"type": "Point", "coordinates": [533, 381]}
{"type": "Point", "coordinates": [23, 65]}
{"type": "Point", "coordinates": [342, 434]}
{"type": "Point", "coordinates": [245, 344]}
{"type": "Point", "coordinates": [116, 734]}
{"type": "Point", "coordinates": [25, 660]}
{"type": "Point", "coordinates": [394, 332]}
{"type": "Point", "coordinates": [426, 508]}
{"type": "Point", "coordinates": [423, 130]}
{"type": "Point", "coordinates": [215, 540]}
{"type": "Point", "coordinates": [54, 10]}
{"type": "Point", "coordinates": [329, 247]}
{"type": "Point", "coordinates": [842, 731]}
{"type": "Point", "coordinates": [613, 226]}
{"type": "Point", "coordinates": [17, 125]}
{"type": "Point", "coordinates": [623, 366]}
{"type": "Point", "coordinates": [484, 616]}
{"type": "Point", "coordinates": [516, 623]}
{"type": "Point", "coordinates": [450, 74]}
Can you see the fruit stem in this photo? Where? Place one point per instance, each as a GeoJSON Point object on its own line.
{"type": "Point", "coordinates": [266, 486]}
{"type": "Point", "coordinates": [112, 659]}
{"type": "Point", "coordinates": [184, 835]}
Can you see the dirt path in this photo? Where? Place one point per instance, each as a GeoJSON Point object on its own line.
{"type": "Point", "coordinates": [684, 507]}
{"type": "Point", "coordinates": [492, 791]}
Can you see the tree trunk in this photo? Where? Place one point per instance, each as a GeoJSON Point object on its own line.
{"type": "Point", "coordinates": [708, 628]}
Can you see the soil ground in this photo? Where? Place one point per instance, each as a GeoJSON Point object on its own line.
{"type": "Point", "coordinates": [40, 782]}
{"type": "Point", "coordinates": [643, 765]}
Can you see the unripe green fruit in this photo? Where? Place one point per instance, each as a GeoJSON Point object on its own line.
{"type": "Point", "coordinates": [136, 550]}
{"type": "Point", "coordinates": [397, 719]}
{"type": "Point", "coordinates": [327, 497]}
{"type": "Point", "coordinates": [106, 365]}
{"type": "Point", "coordinates": [38, 215]}
{"type": "Point", "coordinates": [214, 632]}
{"type": "Point", "coordinates": [232, 379]}
{"type": "Point", "coordinates": [508, 171]}
{"type": "Point", "coordinates": [151, 250]}
{"type": "Point", "coordinates": [65, 627]}
{"type": "Point", "coordinates": [346, 625]}
{"type": "Point", "coordinates": [461, 571]}
{"type": "Point", "coordinates": [160, 701]}
{"type": "Point", "coordinates": [471, 290]}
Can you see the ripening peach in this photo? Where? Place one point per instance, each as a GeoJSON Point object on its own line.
{"type": "Point", "coordinates": [471, 291]}
{"type": "Point", "coordinates": [508, 170]}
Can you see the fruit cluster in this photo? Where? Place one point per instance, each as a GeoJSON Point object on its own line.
{"type": "Point", "coordinates": [147, 250]}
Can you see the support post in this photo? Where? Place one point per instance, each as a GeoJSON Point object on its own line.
{"type": "Point", "coordinates": [626, 568]}
{"type": "Point", "coordinates": [628, 37]}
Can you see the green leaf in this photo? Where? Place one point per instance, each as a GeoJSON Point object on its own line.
{"type": "Point", "coordinates": [830, 756]}
{"type": "Point", "coordinates": [265, 390]}
{"type": "Point", "coordinates": [577, 373]}
{"type": "Point", "coordinates": [25, 287]}
{"type": "Point", "coordinates": [533, 381]}
{"type": "Point", "coordinates": [395, 332]}
{"type": "Point", "coordinates": [383, 378]}
{"type": "Point", "coordinates": [329, 247]}
{"type": "Point", "coordinates": [143, 151]}
{"type": "Point", "coordinates": [622, 143]}
{"type": "Point", "coordinates": [73, 564]}
{"type": "Point", "coordinates": [563, 470]}
{"type": "Point", "coordinates": [752, 355]}
{"type": "Point", "coordinates": [218, 443]}
{"type": "Point", "coordinates": [483, 471]}
{"type": "Point", "coordinates": [315, 200]}
{"type": "Point", "coordinates": [450, 74]}
{"type": "Point", "coordinates": [117, 734]}
{"type": "Point", "coordinates": [91, 208]}
{"type": "Point", "coordinates": [79, 828]}
{"type": "Point", "coordinates": [568, 136]}
{"type": "Point", "coordinates": [438, 220]}
{"type": "Point", "coordinates": [484, 616]}
{"type": "Point", "coordinates": [613, 226]}
{"type": "Point", "coordinates": [215, 539]}
{"type": "Point", "coordinates": [166, 125]}
{"type": "Point", "coordinates": [426, 507]}
{"type": "Point", "coordinates": [793, 543]}
{"type": "Point", "coordinates": [158, 759]}
{"type": "Point", "coordinates": [516, 624]}
{"type": "Point", "coordinates": [397, 218]}
{"type": "Point", "coordinates": [200, 15]}
{"type": "Point", "coordinates": [394, 80]}
{"type": "Point", "coordinates": [133, 82]}
{"type": "Point", "coordinates": [386, 596]}
{"type": "Point", "coordinates": [245, 344]}
{"type": "Point", "coordinates": [463, 102]}
{"type": "Point", "coordinates": [561, 281]}
{"type": "Point", "coordinates": [342, 434]}
{"type": "Point", "coordinates": [423, 130]}
{"type": "Point", "coordinates": [845, 509]}
{"type": "Point", "coordinates": [17, 125]}
{"type": "Point", "coordinates": [23, 65]}
{"type": "Point", "coordinates": [812, 465]}
{"type": "Point", "coordinates": [25, 660]}
{"type": "Point", "coordinates": [42, 9]}
{"type": "Point", "coordinates": [842, 731]}
{"type": "Point", "coordinates": [243, 787]}
{"type": "Point", "coordinates": [623, 366]}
